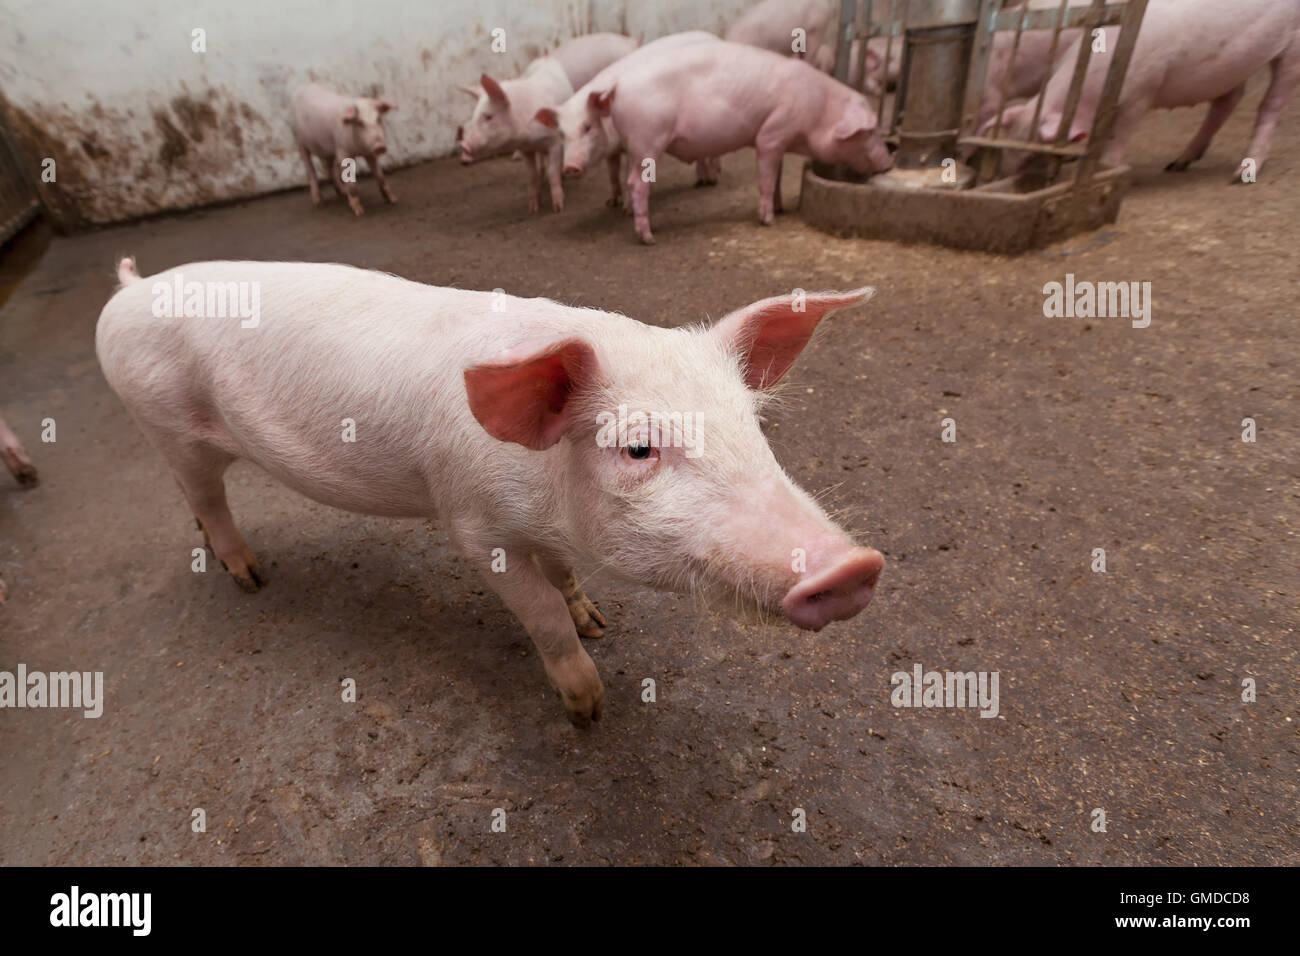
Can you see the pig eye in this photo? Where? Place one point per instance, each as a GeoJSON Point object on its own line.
{"type": "Point", "coordinates": [641, 451]}
{"type": "Point", "coordinates": [487, 116]}
{"type": "Point", "coordinates": [586, 127]}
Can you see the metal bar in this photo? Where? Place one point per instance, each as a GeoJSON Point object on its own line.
{"type": "Point", "coordinates": [900, 89]}
{"type": "Point", "coordinates": [1051, 58]}
{"type": "Point", "coordinates": [848, 9]}
{"type": "Point", "coordinates": [1110, 93]}
{"type": "Point", "coordinates": [1080, 75]}
{"type": "Point", "coordinates": [979, 64]}
{"type": "Point", "coordinates": [1045, 19]}
{"type": "Point", "coordinates": [1069, 152]}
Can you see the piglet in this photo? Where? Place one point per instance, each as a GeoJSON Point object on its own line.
{"type": "Point", "coordinates": [544, 437]}
{"type": "Point", "coordinates": [338, 128]}
{"type": "Point", "coordinates": [503, 118]}
{"type": "Point", "coordinates": [15, 457]}
{"type": "Point", "coordinates": [710, 99]}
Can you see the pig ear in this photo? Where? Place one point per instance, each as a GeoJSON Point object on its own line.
{"type": "Point", "coordinates": [350, 114]}
{"type": "Point", "coordinates": [493, 89]}
{"type": "Point", "coordinates": [856, 119]}
{"type": "Point", "coordinates": [769, 335]}
{"type": "Point", "coordinates": [471, 91]}
{"type": "Point", "coordinates": [598, 102]}
{"type": "Point", "coordinates": [522, 395]}
{"type": "Point", "coordinates": [548, 117]}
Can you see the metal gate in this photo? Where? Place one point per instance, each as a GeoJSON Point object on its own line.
{"type": "Point", "coordinates": [18, 201]}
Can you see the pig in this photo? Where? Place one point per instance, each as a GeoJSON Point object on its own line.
{"type": "Point", "coordinates": [1187, 52]}
{"type": "Point", "coordinates": [587, 135]}
{"type": "Point", "coordinates": [338, 128]}
{"type": "Point", "coordinates": [709, 99]}
{"type": "Point", "coordinates": [1032, 65]}
{"type": "Point", "coordinates": [503, 117]}
{"type": "Point", "coordinates": [542, 437]}
{"type": "Point", "coordinates": [774, 25]}
{"type": "Point", "coordinates": [19, 465]}
{"type": "Point", "coordinates": [15, 457]}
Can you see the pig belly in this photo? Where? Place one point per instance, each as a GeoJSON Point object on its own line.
{"type": "Point", "coordinates": [698, 137]}
{"type": "Point", "coordinates": [319, 465]}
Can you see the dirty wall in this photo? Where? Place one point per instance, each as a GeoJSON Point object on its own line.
{"type": "Point", "coordinates": [138, 120]}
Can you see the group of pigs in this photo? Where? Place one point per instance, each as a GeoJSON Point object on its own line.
{"type": "Point", "coordinates": [696, 97]}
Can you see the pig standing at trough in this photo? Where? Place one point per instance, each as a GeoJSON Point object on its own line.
{"type": "Point", "coordinates": [338, 128]}
{"type": "Point", "coordinates": [1187, 52]}
{"type": "Point", "coordinates": [498, 422]}
{"type": "Point", "coordinates": [705, 100]}
{"type": "Point", "coordinates": [503, 112]}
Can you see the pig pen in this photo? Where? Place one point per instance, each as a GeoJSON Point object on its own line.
{"type": "Point", "coordinates": [1119, 691]}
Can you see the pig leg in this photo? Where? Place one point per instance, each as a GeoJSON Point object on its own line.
{"type": "Point", "coordinates": [377, 171]}
{"type": "Point", "coordinates": [15, 457]}
{"type": "Point", "coordinates": [312, 181]}
{"type": "Point", "coordinates": [198, 470]}
{"type": "Point", "coordinates": [615, 188]}
{"type": "Point", "coordinates": [543, 611]}
{"type": "Point", "coordinates": [586, 616]}
{"type": "Point", "coordinates": [1220, 110]}
{"type": "Point", "coordinates": [1286, 73]}
{"type": "Point", "coordinates": [769, 183]}
{"type": "Point", "coordinates": [777, 206]}
{"type": "Point", "coordinates": [533, 162]}
{"type": "Point", "coordinates": [343, 188]}
{"type": "Point", "coordinates": [553, 165]}
{"type": "Point", "coordinates": [639, 189]}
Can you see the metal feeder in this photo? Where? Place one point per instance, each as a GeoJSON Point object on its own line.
{"type": "Point", "coordinates": [931, 195]}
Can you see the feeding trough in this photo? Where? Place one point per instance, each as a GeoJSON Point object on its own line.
{"type": "Point", "coordinates": [951, 185]}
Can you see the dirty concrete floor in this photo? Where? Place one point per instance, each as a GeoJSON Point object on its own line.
{"type": "Point", "coordinates": [1120, 691]}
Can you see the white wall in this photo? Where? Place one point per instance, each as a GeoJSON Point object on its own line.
{"type": "Point", "coordinates": [137, 122]}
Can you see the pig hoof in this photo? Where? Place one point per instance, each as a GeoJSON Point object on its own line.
{"type": "Point", "coordinates": [25, 475]}
{"type": "Point", "coordinates": [613, 201]}
{"type": "Point", "coordinates": [584, 709]}
{"type": "Point", "coordinates": [3, 593]}
{"type": "Point", "coordinates": [251, 582]}
{"type": "Point", "coordinates": [356, 207]}
{"type": "Point", "coordinates": [389, 197]}
{"type": "Point", "coordinates": [586, 616]}
{"type": "Point", "coordinates": [1178, 166]}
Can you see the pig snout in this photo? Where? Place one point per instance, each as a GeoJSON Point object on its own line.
{"type": "Point", "coordinates": [572, 171]}
{"type": "Point", "coordinates": [837, 585]}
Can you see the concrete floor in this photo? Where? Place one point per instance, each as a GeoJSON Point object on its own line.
{"type": "Point", "coordinates": [1119, 691]}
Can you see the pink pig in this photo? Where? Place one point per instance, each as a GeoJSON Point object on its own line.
{"type": "Point", "coordinates": [777, 25]}
{"type": "Point", "coordinates": [586, 133]}
{"type": "Point", "coordinates": [336, 129]}
{"type": "Point", "coordinates": [503, 122]}
{"type": "Point", "coordinates": [1188, 52]}
{"type": "Point", "coordinates": [710, 99]}
{"type": "Point", "coordinates": [544, 437]}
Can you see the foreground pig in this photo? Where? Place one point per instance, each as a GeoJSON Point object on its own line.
{"type": "Point", "coordinates": [503, 118]}
{"type": "Point", "coordinates": [520, 423]}
{"type": "Point", "coordinates": [1187, 52]}
{"type": "Point", "coordinates": [337, 128]}
{"type": "Point", "coordinates": [1032, 65]}
{"type": "Point", "coordinates": [710, 99]}
{"type": "Point", "coordinates": [586, 134]}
